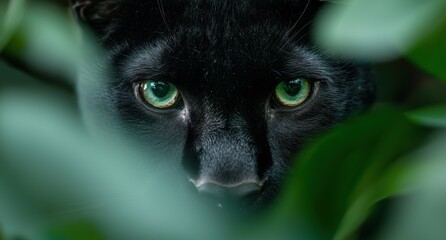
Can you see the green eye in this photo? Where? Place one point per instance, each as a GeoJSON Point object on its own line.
{"type": "Point", "coordinates": [293, 93]}
{"type": "Point", "coordinates": [159, 94]}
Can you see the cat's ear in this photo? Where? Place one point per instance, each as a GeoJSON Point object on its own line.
{"type": "Point", "coordinates": [95, 13]}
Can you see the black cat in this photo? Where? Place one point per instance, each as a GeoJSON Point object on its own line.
{"type": "Point", "coordinates": [229, 90]}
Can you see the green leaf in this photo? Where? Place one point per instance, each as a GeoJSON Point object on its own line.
{"type": "Point", "coordinates": [47, 42]}
{"type": "Point", "coordinates": [74, 230]}
{"type": "Point", "coordinates": [422, 215]}
{"type": "Point", "coordinates": [11, 20]}
{"type": "Point", "coordinates": [378, 29]}
{"type": "Point", "coordinates": [339, 177]}
{"type": "Point", "coordinates": [431, 116]}
{"type": "Point", "coordinates": [430, 53]}
{"type": "Point", "coordinates": [390, 184]}
{"type": "Point", "coordinates": [49, 161]}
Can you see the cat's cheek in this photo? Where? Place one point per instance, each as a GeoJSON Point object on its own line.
{"type": "Point", "coordinates": [162, 129]}
{"type": "Point", "coordinates": [289, 130]}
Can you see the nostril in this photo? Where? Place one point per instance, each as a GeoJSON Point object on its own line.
{"type": "Point", "coordinates": [225, 191]}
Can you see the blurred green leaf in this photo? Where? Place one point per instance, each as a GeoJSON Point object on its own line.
{"type": "Point", "coordinates": [75, 230]}
{"type": "Point", "coordinates": [331, 178]}
{"type": "Point", "coordinates": [430, 53]}
{"type": "Point", "coordinates": [390, 184]}
{"type": "Point", "coordinates": [48, 160]}
{"type": "Point", "coordinates": [431, 116]}
{"type": "Point", "coordinates": [379, 29]}
{"type": "Point", "coordinates": [47, 41]}
{"type": "Point", "coordinates": [14, 12]}
{"type": "Point", "coordinates": [422, 215]}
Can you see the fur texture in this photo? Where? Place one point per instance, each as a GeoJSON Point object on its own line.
{"type": "Point", "coordinates": [225, 57]}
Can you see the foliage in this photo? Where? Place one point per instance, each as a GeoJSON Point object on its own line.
{"type": "Point", "coordinates": [382, 29]}
{"type": "Point", "coordinates": [56, 182]}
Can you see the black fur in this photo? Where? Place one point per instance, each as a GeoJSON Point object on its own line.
{"type": "Point", "coordinates": [226, 57]}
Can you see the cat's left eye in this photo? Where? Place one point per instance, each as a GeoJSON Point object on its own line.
{"type": "Point", "coordinates": [159, 94]}
{"type": "Point", "coordinates": [293, 93]}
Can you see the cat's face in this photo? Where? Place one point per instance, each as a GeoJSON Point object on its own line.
{"type": "Point", "coordinates": [227, 90]}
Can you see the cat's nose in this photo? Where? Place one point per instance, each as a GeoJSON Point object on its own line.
{"type": "Point", "coordinates": [237, 192]}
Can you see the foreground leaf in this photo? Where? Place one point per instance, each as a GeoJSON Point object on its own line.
{"type": "Point", "coordinates": [378, 29]}
{"type": "Point", "coordinates": [432, 116]}
{"type": "Point", "coordinates": [354, 164]}
{"type": "Point", "coordinates": [45, 42]}
{"type": "Point", "coordinates": [430, 53]}
{"type": "Point", "coordinates": [423, 215]}
{"type": "Point", "coordinates": [51, 169]}
{"type": "Point", "coordinates": [10, 21]}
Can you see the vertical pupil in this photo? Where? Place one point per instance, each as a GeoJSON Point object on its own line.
{"type": "Point", "coordinates": [293, 87]}
{"type": "Point", "coordinates": [160, 89]}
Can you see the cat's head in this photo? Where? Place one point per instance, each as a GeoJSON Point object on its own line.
{"type": "Point", "coordinates": [227, 90]}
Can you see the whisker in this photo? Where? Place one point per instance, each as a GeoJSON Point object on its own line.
{"type": "Point", "coordinates": [163, 15]}
{"type": "Point", "coordinates": [296, 34]}
{"type": "Point", "coordinates": [303, 36]}
{"type": "Point", "coordinates": [295, 23]}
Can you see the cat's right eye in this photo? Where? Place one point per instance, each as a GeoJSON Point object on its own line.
{"type": "Point", "coordinates": [158, 94]}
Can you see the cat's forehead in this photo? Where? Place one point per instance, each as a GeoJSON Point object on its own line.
{"type": "Point", "coordinates": [211, 31]}
{"type": "Point", "coordinates": [143, 20]}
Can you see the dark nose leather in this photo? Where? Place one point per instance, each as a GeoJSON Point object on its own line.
{"type": "Point", "coordinates": [236, 191]}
